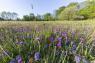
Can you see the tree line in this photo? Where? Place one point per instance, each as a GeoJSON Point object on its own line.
{"type": "Point", "coordinates": [8, 15]}
{"type": "Point", "coordinates": [73, 11]}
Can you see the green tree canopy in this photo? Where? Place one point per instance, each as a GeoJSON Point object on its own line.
{"type": "Point", "coordinates": [88, 11]}
{"type": "Point", "coordinates": [69, 12]}
{"type": "Point", "coordinates": [48, 17]}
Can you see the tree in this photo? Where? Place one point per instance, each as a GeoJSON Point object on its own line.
{"type": "Point", "coordinates": [9, 15]}
{"type": "Point", "coordinates": [32, 17]}
{"type": "Point", "coordinates": [1, 18]}
{"type": "Point", "coordinates": [38, 18]}
{"type": "Point", "coordinates": [69, 12]}
{"type": "Point", "coordinates": [88, 11]}
{"type": "Point", "coordinates": [14, 15]}
{"type": "Point", "coordinates": [47, 17]}
{"type": "Point", "coordinates": [3, 15]}
{"type": "Point", "coordinates": [58, 12]}
{"type": "Point", "coordinates": [26, 18]}
{"type": "Point", "coordinates": [18, 19]}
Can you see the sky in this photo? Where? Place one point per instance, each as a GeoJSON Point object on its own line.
{"type": "Point", "coordinates": [24, 7]}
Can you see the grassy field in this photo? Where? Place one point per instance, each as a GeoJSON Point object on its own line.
{"type": "Point", "coordinates": [47, 42]}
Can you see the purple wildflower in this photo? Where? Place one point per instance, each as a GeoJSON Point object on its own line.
{"type": "Point", "coordinates": [73, 33]}
{"type": "Point", "coordinates": [20, 43]}
{"type": "Point", "coordinates": [74, 46]}
{"type": "Point", "coordinates": [51, 39]}
{"type": "Point", "coordinates": [78, 58]}
{"type": "Point", "coordinates": [13, 61]}
{"type": "Point", "coordinates": [67, 42]}
{"type": "Point", "coordinates": [73, 49]}
{"type": "Point", "coordinates": [37, 56]}
{"type": "Point", "coordinates": [59, 45]}
{"type": "Point", "coordinates": [59, 39]}
{"type": "Point", "coordinates": [19, 59]}
{"type": "Point", "coordinates": [64, 34]}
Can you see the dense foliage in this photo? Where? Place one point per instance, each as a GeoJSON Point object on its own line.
{"type": "Point", "coordinates": [89, 11]}
{"type": "Point", "coordinates": [69, 12]}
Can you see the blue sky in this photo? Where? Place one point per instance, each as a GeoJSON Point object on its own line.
{"type": "Point", "coordinates": [23, 7]}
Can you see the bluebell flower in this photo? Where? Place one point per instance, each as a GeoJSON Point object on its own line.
{"type": "Point", "coordinates": [67, 42]}
{"type": "Point", "coordinates": [20, 43]}
{"type": "Point", "coordinates": [64, 34]}
{"type": "Point", "coordinates": [13, 61]}
{"type": "Point", "coordinates": [19, 59]}
{"type": "Point", "coordinates": [59, 44]}
{"type": "Point", "coordinates": [74, 46]}
{"type": "Point", "coordinates": [59, 39]}
{"type": "Point", "coordinates": [37, 56]}
{"type": "Point", "coordinates": [51, 39]}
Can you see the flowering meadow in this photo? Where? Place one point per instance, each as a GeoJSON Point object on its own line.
{"type": "Point", "coordinates": [47, 42]}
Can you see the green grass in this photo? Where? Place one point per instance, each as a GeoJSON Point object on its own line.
{"type": "Point", "coordinates": [11, 33]}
